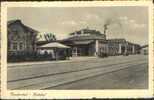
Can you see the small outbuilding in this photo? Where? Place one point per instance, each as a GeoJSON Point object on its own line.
{"type": "Point", "coordinates": [55, 50]}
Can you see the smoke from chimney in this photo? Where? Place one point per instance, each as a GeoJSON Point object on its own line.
{"type": "Point", "coordinates": [108, 22]}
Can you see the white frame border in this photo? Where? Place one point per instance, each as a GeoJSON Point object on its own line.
{"type": "Point", "coordinates": [68, 94]}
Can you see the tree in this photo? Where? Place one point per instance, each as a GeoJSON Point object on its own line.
{"type": "Point", "coordinates": [47, 37]}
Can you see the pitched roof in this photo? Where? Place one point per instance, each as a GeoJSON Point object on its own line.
{"type": "Point", "coordinates": [12, 21]}
{"type": "Point", "coordinates": [19, 21]}
{"type": "Point", "coordinates": [54, 45]}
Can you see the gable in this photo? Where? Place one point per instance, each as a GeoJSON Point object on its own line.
{"type": "Point", "coordinates": [16, 28]}
{"type": "Point", "coordinates": [17, 25]}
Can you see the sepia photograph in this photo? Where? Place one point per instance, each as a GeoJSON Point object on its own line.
{"type": "Point", "coordinates": [77, 48]}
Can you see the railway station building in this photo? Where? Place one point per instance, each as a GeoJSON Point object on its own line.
{"type": "Point", "coordinates": [87, 42]}
{"type": "Point", "coordinates": [22, 40]}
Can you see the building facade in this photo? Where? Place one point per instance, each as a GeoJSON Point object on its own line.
{"type": "Point", "coordinates": [133, 48]}
{"type": "Point", "coordinates": [121, 47]}
{"type": "Point", "coordinates": [21, 38]}
{"type": "Point", "coordinates": [87, 42]}
{"type": "Point", "coordinates": [144, 50]}
{"type": "Point", "coordinates": [116, 46]}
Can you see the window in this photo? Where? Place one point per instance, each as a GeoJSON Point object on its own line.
{"type": "Point", "coordinates": [21, 46]}
{"type": "Point", "coordinates": [8, 46]}
{"type": "Point", "coordinates": [14, 46]}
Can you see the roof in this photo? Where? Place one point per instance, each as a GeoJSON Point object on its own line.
{"type": "Point", "coordinates": [19, 21]}
{"type": "Point", "coordinates": [145, 46]}
{"type": "Point", "coordinates": [54, 45]}
{"type": "Point", "coordinates": [11, 21]}
{"type": "Point", "coordinates": [83, 42]}
{"type": "Point", "coordinates": [88, 37]}
{"type": "Point", "coordinates": [133, 43]}
{"type": "Point", "coordinates": [86, 31]}
{"type": "Point", "coordinates": [117, 40]}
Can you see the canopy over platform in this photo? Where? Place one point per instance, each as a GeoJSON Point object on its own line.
{"type": "Point", "coordinates": [86, 42]}
{"type": "Point", "coordinates": [54, 45]}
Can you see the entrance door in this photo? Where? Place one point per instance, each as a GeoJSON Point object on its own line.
{"type": "Point", "coordinates": [83, 51]}
{"type": "Point", "coordinates": [80, 51]}
{"type": "Point", "coordinates": [74, 51]}
{"type": "Point", "coordinates": [122, 49]}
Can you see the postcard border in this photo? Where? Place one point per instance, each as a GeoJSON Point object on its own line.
{"type": "Point", "coordinates": [7, 94]}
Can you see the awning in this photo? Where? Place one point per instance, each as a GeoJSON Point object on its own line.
{"type": "Point", "coordinates": [54, 45]}
{"type": "Point", "coordinates": [83, 42]}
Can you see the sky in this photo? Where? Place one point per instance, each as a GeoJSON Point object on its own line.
{"type": "Point", "coordinates": [126, 22]}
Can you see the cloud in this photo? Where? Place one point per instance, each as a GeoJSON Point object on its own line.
{"type": "Point", "coordinates": [61, 36]}
{"type": "Point", "coordinates": [70, 22]}
{"type": "Point", "coordinates": [130, 23]}
{"type": "Point", "coordinates": [82, 22]}
{"type": "Point", "coordinates": [139, 25]}
{"type": "Point", "coordinates": [124, 18]}
{"type": "Point", "coordinates": [92, 17]}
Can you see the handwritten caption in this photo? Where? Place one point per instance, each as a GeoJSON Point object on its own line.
{"type": "Point", "coordinates": [28, 94]}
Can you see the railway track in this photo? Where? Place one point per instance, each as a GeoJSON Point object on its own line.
{"type": "Point", "coordinates": [94, 60]}
{"type": "Point", "coordinates": [53, 80]}
{"type": "Point", "coordinates": [34, 71]}
{"type": "Point", "coordinates": [76, 70]}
